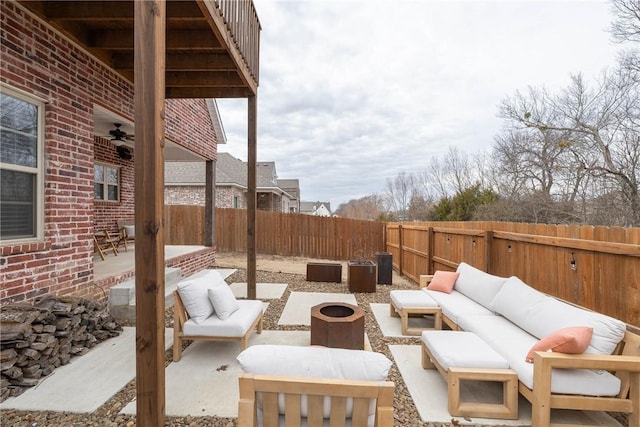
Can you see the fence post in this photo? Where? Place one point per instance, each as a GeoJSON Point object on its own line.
{"type": "Point", "coordinates": [400, 249]}
{"type": "Point", "coordinates": [430, 255]}
{"type": "Point", "coordinates": [488, 254]}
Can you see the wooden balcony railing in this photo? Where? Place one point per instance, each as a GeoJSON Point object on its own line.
{"type": "Point", "coordinates": [243, 28]}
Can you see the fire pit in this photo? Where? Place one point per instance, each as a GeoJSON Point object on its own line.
{"type": "Point", "coordinates": [337, 325]}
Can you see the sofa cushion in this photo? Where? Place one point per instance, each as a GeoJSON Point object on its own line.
{"type": "Point", "coordinates": [540, 315]}
{"type": "Point", "coordinates": [130, 230]}
{"type": "Point", "coordinates": [516, 301]}
{"type": "Point", "coordinates": [461, 349]}
{"type": "Point", "coordinates": [223, 301]}
{"type": "Point", "coordinates": [478, 285]}
{"type": "Point", "coordinates": [443, 281]}
{"type": "Point", "coordinates": [455, 304]}
{"type": "Point", "coordinates": [235, 326]}
{"type": "Point", "coordinates": [513, 343]}
{"type": "Point", "coordinates": [573, 340]}
{"type": "Point", "coordinates": [411, 298]}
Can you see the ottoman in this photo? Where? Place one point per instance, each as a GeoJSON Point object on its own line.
{"type": "Point", "coordinates": [459, 356]}
{"type": "Point", "coordinates": [407, 303]}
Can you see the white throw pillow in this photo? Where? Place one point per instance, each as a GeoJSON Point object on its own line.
{"type": "Point", "coordinates": [195, 298]}
{"type": "Point", "coordinates": [223, 300]}
{"type": "Point", "coordinates": [131, 231]}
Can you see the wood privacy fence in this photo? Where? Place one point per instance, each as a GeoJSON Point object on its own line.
{"type": "Point", "coordinates": [594, 267]}
{"type": "Point", "coordinates": [278, 233]}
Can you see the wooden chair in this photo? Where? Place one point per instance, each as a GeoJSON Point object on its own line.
{"type": "Point", "coordinates": [271, 388]}
{"type": "Point", "coordinates": [125, 236]}
{"type": "Point", "coordinates": [104, 242]}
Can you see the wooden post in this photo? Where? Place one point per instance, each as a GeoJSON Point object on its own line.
{"type": "Point", "coordinates": [209, 204]}
{"type": "Point", "coordinates": [149, 68]}
{"type": "Point", "coordinates": [432, 245]}
{"type": "Point", "coordinates": [251, 195]}
{"type": "Point", "coordinates": [400, 272]}
{"type": "Point", "coordinates": [488, 240]}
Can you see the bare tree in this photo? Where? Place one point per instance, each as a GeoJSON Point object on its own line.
{"type": "Point", "coordinates": [598, 127]}
{"type": "Point", "coordinates": [627, 25]}
{"type": "Point", "coordinates": [398, 192]}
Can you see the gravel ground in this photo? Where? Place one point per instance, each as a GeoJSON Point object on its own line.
{"type": "Point", "coordinates": [405, 412]}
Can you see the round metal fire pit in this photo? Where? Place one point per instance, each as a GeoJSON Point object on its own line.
{"type": "Point", "coordinates": [337, 325]}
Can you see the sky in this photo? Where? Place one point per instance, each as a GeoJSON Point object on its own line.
{"type": "Point", "coordinates": [352, 93]}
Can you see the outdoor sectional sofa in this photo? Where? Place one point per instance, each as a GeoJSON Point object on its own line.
{"type": "Point", "coordinates": [511, 317]}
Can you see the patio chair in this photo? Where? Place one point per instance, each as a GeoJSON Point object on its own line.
{"type": "Point", "coordinates": [259, 399]}
{"type": "Point", "coordinates": [126, 233]}
{"type": "Point", "coordinates": [103, 242]}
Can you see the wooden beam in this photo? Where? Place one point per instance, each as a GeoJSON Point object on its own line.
{"type": "Point", "coordinates": [251, 195]}
{"type": "Point", "coordinates": [203, 78]}
{"type": "Point", "coordinates": [207, 92]}
{"type": "Point", "coordinates": [182, 61]}
{"type": "Point", "coordinates": [149, 45]}
{"type": "Point", "coordinates": [209, 204]}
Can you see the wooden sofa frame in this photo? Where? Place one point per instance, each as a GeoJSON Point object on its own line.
{"type": "Point", "coordinates": [180, 317]}
{"type": "Point", "coordinates": [316, 389]}
{"type": "Point", "coordinates": [624, 363]}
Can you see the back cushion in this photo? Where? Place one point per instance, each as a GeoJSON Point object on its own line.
{"type": "Point", "coordinates": [540, 315]}
{"type": "Point", "coordinates": [477, 285]}
{"type": "Point", "coordinates": [193, 292]}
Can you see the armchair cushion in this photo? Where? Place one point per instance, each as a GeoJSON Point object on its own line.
{"type": "Point", "coordinates": [223, 301]}
{"type": "Point", "coordinates": [194, 294]}
{"type": "Point", "coordinates": [574, 340]}
{"type": "Point", "coordinates": [443, 281]}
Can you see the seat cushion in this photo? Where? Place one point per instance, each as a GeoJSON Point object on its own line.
{"type": "Point", "coordinates": [235, 326]}
{"type": "Point", "coordinates": [409, 298]}
{"type": "Point", "coordinates": [455, 304]}
{"type": "Point", "coordinates": [460, 349]}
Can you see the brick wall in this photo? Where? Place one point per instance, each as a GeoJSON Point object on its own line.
{"type": "Point", "coordinates": [184, 195]}
{"type": "Point", "coordinates": [37, 60]}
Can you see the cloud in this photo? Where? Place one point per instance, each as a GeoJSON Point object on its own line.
{"type": "Point", "coordinates": [354, 92]}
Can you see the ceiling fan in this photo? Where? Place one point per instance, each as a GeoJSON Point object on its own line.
{"type": "Point", "coordinates": [118, 134]}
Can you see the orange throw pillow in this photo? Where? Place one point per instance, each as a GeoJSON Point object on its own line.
{"type": "Point", "coordinates": [573, 340]}
{"type": "Point", "coordinates": [443, 281]}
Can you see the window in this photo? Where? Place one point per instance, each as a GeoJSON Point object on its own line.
{"type": "Point", "coordinates": [106, 182]}
{"type": "Point", "coordinates": [21, 166]}
{"type": "Point", "coordinates": [235, 202]}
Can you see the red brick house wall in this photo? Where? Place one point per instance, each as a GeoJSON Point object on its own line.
{"type": "Point", "coordinates": [37, 60]}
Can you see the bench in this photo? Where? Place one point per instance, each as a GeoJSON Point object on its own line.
{"type": "Point", "coordinates": [409, 303]}
{"type": "Point", "coordinates": [462, 356]}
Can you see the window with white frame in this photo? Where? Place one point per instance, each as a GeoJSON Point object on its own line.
{"type": "Point", "coordinates": [106, 182]}
{"type": "Point", "coordinates": [21, 166]}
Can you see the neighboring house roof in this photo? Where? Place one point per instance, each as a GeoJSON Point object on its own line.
{"type": "Point", "coordinates": [315, 207]}
{"type": "Point", "coordinates": [291, 186]}
{"type": "Point", "coordinates": [229, 172]}
{"type": "Point", "coordinates": [184, 173]}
